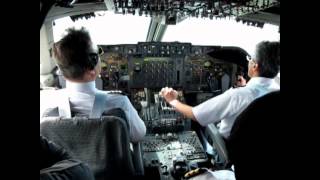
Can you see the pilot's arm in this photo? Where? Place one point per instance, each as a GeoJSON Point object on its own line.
{"type": "Point", "coordinates": [136, 125]}
{"type": "Point", "coordinates": [56, 163]}
{"type": "Point", "coordinates": [50, 153]}
{"type": "Point", "coordinates": [170, 95]}
{"type": "Point", "coordinates": [210, 111]}
{"type": "Point", "coordinates": [137, 128]}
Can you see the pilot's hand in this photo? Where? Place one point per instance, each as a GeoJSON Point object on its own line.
{"type": "Point", "coordinates": [169, 94]}
{"type": "Point", "coordinates": [241, 81]}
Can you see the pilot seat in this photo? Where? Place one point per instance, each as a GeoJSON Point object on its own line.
{"type": "Point", "coordinates": [103, 143]}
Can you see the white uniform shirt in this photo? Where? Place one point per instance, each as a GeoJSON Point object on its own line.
{"type": "Point", "coordinates": [227, 106]}
{"type": "Point", "coordinates": [216, 175]}
{"type": "Point", "coordinates": [81, 97]}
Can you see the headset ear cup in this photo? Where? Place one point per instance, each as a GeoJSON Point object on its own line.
{"type": "Point", "coordinates": [93, 60]}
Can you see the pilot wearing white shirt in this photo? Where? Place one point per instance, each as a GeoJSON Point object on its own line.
{"type": "Point", "coordinates": [79, 62]}
{"type": "Point", "coordinates": [262, 69]}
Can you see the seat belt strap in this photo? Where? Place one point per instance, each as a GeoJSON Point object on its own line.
{"type": "Point", "coordinates": [98, 104]}
{"type": "Point", "coordinates": [97, 109]}
{"type": "Point", "coordinates": [64, 105]}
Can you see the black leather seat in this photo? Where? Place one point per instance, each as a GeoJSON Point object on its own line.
{"type": "Point", "coordinates": [251, 142]}
{"type": "Point", "coordinates": [102, 143]}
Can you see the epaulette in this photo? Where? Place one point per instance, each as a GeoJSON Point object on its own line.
{"type": "Point", "coordinates": [116, 92]}
{"type": "Point", "coordinates": [194, 173]}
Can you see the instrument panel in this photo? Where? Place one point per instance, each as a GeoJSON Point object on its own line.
{"type": "Point", "coordinates": [170, 140]}
{"type": "Point", "coordinates": [161, 64]}
{"type": "Point", "coordinates": [114, 70]}
{"type": "Point", "coordinates": [161, 150]}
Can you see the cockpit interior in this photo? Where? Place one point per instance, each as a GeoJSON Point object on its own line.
{"type": "Point", "coordinates": [173, 144]}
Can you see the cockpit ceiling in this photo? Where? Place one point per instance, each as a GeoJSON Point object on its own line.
{"type": "Point", "coordinates": [269, 15]}
{"type": "Point", "coordinates": [175, 10]}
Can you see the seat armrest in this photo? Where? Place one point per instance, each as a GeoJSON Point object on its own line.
{"type": "Point", "coordinates": [137, 159]}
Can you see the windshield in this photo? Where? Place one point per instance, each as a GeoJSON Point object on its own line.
{"type": "Point", "coordinates": [107, 28]}
{"type": "Point", "coordinates": [221, 32]}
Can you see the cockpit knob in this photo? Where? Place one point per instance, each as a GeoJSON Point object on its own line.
{"type": "Point", "coordinates": [207, 64]}
{"type": "Point", "coordinates": [180, 167]}
{"type": "Point", "coordinates": [137, 67]}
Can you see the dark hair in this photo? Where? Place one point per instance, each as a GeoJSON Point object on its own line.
{"type": "Point", "coordinates": [268, 58]}
{"type": "Point", "coordinates": [74, 54]}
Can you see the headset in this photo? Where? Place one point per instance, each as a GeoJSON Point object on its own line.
{"type": "Point", "coordinates": [94, 58]}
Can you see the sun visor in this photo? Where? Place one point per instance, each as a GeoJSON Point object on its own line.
{"type": "Point", "coordinates": [230, 54]}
